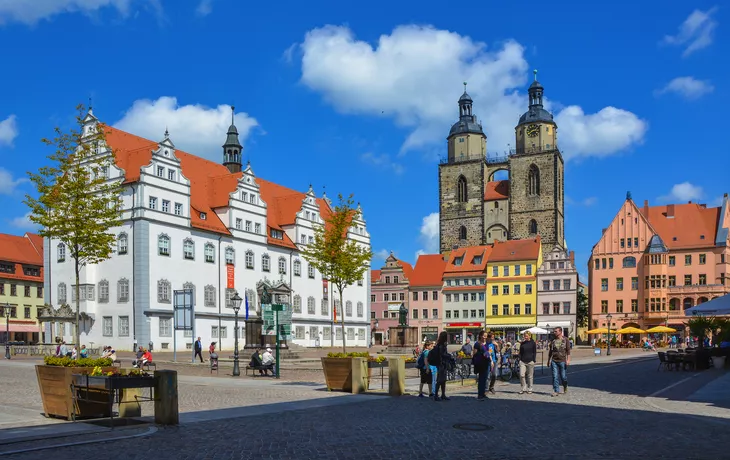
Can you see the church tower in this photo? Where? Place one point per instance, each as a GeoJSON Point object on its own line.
{"type": "Point", "coordinates": [232, 149]}
{"type": "Point", "coordinates": [536, 176]}
{"type": "Point", "coordinates": [461, 182]}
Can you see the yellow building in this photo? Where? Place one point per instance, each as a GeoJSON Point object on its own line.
{"type": "Point", "coordinates": [21, 287]}
{"type": "Point", "coordinates": [512, 286]}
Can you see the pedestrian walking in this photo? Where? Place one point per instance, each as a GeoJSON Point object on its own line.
{"type": "Point", "coordinates": [198, 350]}
{"type": "Point", "coordinates": [528, 355]}
{"type": "Point", "coordinates": [426, 376]}
{"type": "Point", "coordinates": [482, 364]}
{"type": "Point", "coordinates": [436, 359]}
{"type": "Point", "coordinates": [493, 355]}
{"type": "Point", "coordinates": [559, 360]}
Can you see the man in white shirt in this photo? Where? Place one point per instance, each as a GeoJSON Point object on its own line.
{"type": "Point", "coordinates": [268, 361]}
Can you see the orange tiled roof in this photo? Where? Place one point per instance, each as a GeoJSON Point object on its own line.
{"type": "Point", "coordinates": [210, 186]}
{"type": "Point", "coordinates": [690, 221]}
{"type": "Point", "coordinates": [429, 270]}
{"type": "Point", "coordinates": [467, 265]}
{"type": "Point", "coordinates": [407, 268]}
{"type": "Point", "coordinates": [504, 251]}
{"type": "Point", "coordinates": [496, 190]}
{"type": "Point", "coordinates": [22, 250]}
{"type": "Point", "coordinates": [374, 275]}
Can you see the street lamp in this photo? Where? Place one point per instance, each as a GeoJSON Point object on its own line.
{"type": "Point", "coordinates": [236, 302]}
{"type": "Point", "coordinates": [608, 347]}
{"type": "Point", "coordinates": [7, 331]}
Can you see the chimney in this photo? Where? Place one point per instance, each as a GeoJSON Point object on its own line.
{"type": "Point", "coordinates": [572, 257]}
{"type": "Point", "coordinates": [670, 211]}
{"type": "Point", "coordinates": [646, 208]}
{"type": "Point", "coordinates": [603, 231]}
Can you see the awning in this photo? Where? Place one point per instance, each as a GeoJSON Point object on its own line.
{"type": "Point", "coordinates": [549, 324]}
{"type": "Point", "coordinates": [20, 328]}
{"type": "Point", "coordinates": [509, 326]}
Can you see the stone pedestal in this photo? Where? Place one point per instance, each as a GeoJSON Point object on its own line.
{"type": "Point", "coordinates": [166, 398]}
{"type": "Point", "coordinates": [359, 375]}
{"type": "Point", "coordinates": [130, 406]}
{"type": "Point", "coordinates": [396, 376]}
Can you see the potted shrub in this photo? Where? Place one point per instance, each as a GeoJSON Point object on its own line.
{"type": "Point", "coordinates": [116, 379]}
{"type": "Point", "coordinates": [411, 363]}
{"type": "Point", "coordinates": [337, 369]}
{"type": "Point", "coordinates": [377, 361]}
{"type": "Point", "coordinates": [55, 377]}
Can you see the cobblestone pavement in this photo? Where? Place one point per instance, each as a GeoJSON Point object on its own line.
{"type": "Point", "coordinates": [609, 412]}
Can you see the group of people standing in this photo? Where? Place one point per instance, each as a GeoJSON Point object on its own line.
{"type": "Point", "coordinates": [435, 361]}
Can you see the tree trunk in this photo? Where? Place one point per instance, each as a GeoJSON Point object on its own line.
{"type": "Point", "coordinates": [77, 333]}
{"type": "Point", "coordinates": [342, 313]}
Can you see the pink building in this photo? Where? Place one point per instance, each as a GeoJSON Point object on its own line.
{"type": "Point", "coordinates": [388, 292]}
{"type": "Point", "coordinates": [425, 295]}
{"type": "Point", "coordinates": [652, 263]}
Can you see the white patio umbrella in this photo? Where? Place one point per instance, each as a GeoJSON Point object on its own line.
{"type": "Point", "coordinates": [535, 330]}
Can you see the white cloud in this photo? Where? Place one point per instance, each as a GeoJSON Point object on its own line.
{"type": "Point", "coordinates": [7, 183]}
{"type": "Point", "coordinates": [687, 87]}
{"type": "Point", "coordinates": [383, 161]}
{"type": "Point", "coordinates": [681, 193]}
{"type": "Point", "coordinates": [716, 202]}
{"type": "Point", "coordinates": [194, 128]}
{"type": "Point", "coordinates": [414, 76]}
{"type": "Point", "coordinates": [30, 12]}
{"type": "Point", "coordinates": [600, 134]}
{"type": "Point", "coordinates": [205, 7]}
{"type": "Point", "coordinates": [379, 258]}
{"type": "Point", "coordinates": [24, 223]}
{"type": "Point", "coordinates": [587, 202]}
{"type": "Point", "coordinates": [8, 130]}
{"type": "Point", "coordinates": [696, 32]}
{"type": "Point", "coordinates": [429, 235]}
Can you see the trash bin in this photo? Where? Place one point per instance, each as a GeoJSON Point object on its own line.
{"type": "Point", "coordinates": [150, 346]}
{"type": "Point", "coordinates": [213, 361]}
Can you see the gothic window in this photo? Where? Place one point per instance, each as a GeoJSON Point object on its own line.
{"type": "Point", "coordinates": [188, 249]}
{"type": "Point", "coordinates": [230, 256]}
{"type": "Point", "coordinates": [122, 243]}
{"type": "Point", "coordinates": [265, 262]}
{"type": "Point", "coordinates": [533, 181]}
{"type": "Point", "coordinates": [461, 195]}
{"type": "Point", "coordinates": [249, 259]}
{"type": "Point", "coordinates": [209, 296]}
{"type": "Point", "coordinates": [103, 291]}
{"type": "Point", "coordinates": [123, 290]}
{"type": "Point", "coordinates": [462, 233]}
{"type": "Point", "coordinates": [533, 227]}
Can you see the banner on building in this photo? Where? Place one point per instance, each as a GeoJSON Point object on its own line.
{"type": "Point", "coordinates": [325, 289]}
{"type": "Point", "coordinates": [230, 276]}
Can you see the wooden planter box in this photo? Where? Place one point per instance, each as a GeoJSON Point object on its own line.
{"type": "Point", "coordinates": [375, 365]}
{"type": "Point", "coordinates": [338, 373]}
{"type": "Point", "coordinates": [54, 383]}
{"type": "Point", "coordinates": [113, 383]}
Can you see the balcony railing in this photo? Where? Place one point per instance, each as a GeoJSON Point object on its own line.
{"type": "Point", "coordinates": [697, 289]}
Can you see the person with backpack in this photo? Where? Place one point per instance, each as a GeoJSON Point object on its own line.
{"type": "Point", "coordinates": [436, 359]}
{"type": "Point", "coordinates": [426, 376]}
{"type": "Point", "coordinates": [482, 364]}
{"type": "Point", "coordinates": [493, 348]}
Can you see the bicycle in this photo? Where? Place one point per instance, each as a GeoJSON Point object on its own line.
{"type": "Point", "coordinates": [510, 370]}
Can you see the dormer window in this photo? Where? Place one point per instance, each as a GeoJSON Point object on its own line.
{"type": "Point", "coordinates": [277, 234]}
{"type": "Point", "coordinates": [477, 260]}
{"type": "Point", "coordinates": [167, 153]}
{"type": "Point", "coordinates": [458, 261]}
{"type": "Point", "coordinates": [203, 216]}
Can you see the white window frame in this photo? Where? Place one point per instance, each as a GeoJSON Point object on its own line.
{"type": "Point", "coordinates": [265, 262]}
{"type": "Point", "coordinates": [230, 255]}
{"type": "Point", "coordinates": [122, 243]}
{"type": "Point", "coordinates": [165, 328]}
{"type": "Point", "coordinates": [124, 326]}
{"type": "Point", "coordinates": [209, 251]}
{"type": "Point", "coordinates": [250, 260]}
{"type": "Point", "coordinates": [107, 326]}
{"type": "Point", "coordinates": [163, 245]}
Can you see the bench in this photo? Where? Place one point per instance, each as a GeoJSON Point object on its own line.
{"type": "Point", "coordinates": [149, 365]}
{"type": "Point", "coordinates": [117, 363]}
{"type": "Point", "coordinates": [254, 370]}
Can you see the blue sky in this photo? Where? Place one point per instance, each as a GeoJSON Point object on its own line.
{"type": "Point", "coordinates": [359, 96]}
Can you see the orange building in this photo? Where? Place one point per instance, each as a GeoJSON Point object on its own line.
{"type": "Point", "coordinates": [464, 291]}
{"type": "Point", "coordinates": [652, 263]}
{"type": "Point", "coordinates": [425, 294]}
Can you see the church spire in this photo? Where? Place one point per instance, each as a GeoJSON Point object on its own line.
{"type": "Point", "coordinates": [232, 149]}
{"type": "Point", "coordinates": [535, 92]}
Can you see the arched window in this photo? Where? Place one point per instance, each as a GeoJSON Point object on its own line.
{"type": "Point", "coordinates": [282, 266]}
{"type": "Point", "coordinates": [249, 259]}
{"type": "Point", "coordinates": [188, 249]}
{"type": "Point", "coordinates": [297, 268]}
{"type": "Point", "coordinates": [122, 243]}
{"type": "Point", "coordinates": [103, 291]}
{"type": "Point", "coordinates": [230, 256]}
{"type": "Point", "coordinates": [61, 252]}
{"type": "Point", "coordinates": [687, 303]}
{"type": "Point", "coordinates": [311, 306]}
{"type": "Point", "coordinates": [533, 181]}
{"type": "Point", "coordinates": [265, 263]}
{"type": "Point", "coordinates": [629, 262]}
{"type": "Point", "coordinates": [209, 253]}
{"type": "Point", "coordinates": [533, 227]}
{"type": "Point", "coordinates": [163, 245]}
{"type": "Point", "coordinates": [360, 311]}
{"type": "Point", "coordinates": [461, 195]}
{"type": "Point", "coordinates": [123, 290]}
{"type": "Point", "coordinates": [209, 296]}
{"type": "Point", "coordinates": [462, 233]}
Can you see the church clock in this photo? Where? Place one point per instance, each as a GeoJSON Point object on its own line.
{"type": "Point", "coordinates": [533, 130]}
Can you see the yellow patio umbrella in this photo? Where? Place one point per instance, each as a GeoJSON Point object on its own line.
{"type": "Point", "coordinates": [630, 330]}
{"type": "Point", "coordinates": [661, 329]}
{"type": "Point", "coordinates": [600, 330]}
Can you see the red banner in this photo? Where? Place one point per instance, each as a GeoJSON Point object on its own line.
{"type": "Point", "coordinates": [230, 276]}
{"type": "Point", "coordinates": [325, 289]}
{"type": "Point", "coordinates": [463, 324]}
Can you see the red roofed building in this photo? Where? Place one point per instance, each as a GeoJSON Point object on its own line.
{"type": "Point", "coordinates": [21, 287]}
{"type": "Point", "coordinates": [388, 294]}
{"type": "Point", "coordinates": [464, 289]}
{"type": "Point", "coordinates": [426, 301]}
{"type": "Point", "coordinates": [652, 263]}
{"type": "Point", "coordinates": [190, 223]}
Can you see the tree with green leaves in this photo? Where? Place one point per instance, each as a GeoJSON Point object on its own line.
{"type": "Point", "coordinates": [342, 261]}
{"type": "Point", "coordinates": [582, 310]}
{"type": "Point", "coordinates": [77, 203]}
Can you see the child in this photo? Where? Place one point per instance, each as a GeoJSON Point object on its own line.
{"type": "Point", "coordinates": [426, 377]}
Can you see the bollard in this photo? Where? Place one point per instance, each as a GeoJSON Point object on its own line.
{"type": "Point", "coordinates": [359, 375]}
{"type": "Point", "coordinates": [130, 406]}
{"type": "Point", "coordinates": [166, 408]}
{"type": "Point", "coordinates": [396, 376]}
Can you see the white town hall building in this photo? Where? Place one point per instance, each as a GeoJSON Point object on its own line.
{"type": "Point", "coordinates": [216, 228]}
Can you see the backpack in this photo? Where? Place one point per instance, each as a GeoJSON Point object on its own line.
{"type": "Point", "coordinates": [421, 363]}
{"type": "Point", "coordinates": [479, 358]}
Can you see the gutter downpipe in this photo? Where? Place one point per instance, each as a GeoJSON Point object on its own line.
{"type": "Point", "coordinates": [134, 264]}
{"type": "Point", "coordinates": [220, 311]}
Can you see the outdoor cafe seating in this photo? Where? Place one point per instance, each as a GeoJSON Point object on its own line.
{"type": "Point", "coordinates": [680, 359]}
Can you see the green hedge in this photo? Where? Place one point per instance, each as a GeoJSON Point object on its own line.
{"type": "Point", "coordinates": [81, 362]}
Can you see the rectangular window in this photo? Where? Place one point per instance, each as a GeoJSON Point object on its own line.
{"type": "Point", "coordinates": [623, 243]}
{"type": "Point", "coordinates": [166, 327]}
{"type": "Point", "coordinates": [481, 297]}
{"type": "Point", "coordinates": [495, 271]}
{"type": "Point", "coordinates": [465, 297]}
{"type": "Point", "coordinates": [386, 297]}
{"type": "Point", "coordinates": [528, 288]}
{"type": "Point", "coordinates": [566, 285]}
{"type": "Point", "coordinates": [634, 283]}
{"type": "Point", "coordinates": [26, 291]}
{"type": "Point", "coordinates": [27, 313]}
{"type": "Point", "coordinates": [566, 308]}
{"type": "Point", "coordinates": [636, 240]}
{"type": "Point", "coordinates": [629, 241]}
{"type": "Point", "coordinates": [415, 295]}
{"type": "Point", "coordinates": [472, 297]}
{"type": "Point", "coordinates": [178, 209]}
{"type": "Point", "coordinates": [414, 313]}
{"type": "Point", "coordinates": [604, 306]}
{"type": "Point", "coordinates": [153, 202]}
{"type": "Point", "coordinates": [402, 296]}
{"type": "Point", "coordinates": [435, 295]}
{"type": "Point", "coordinates": [495, 310]}
{"type": "Point", "coordinates": [425, 313]}
{"type": "Point", "coordinates": [495, 290]}
{"type": "Point", "coordinates": [546, 308]}
{"type": "Point", "coordinates": [603, 263]}
{"type": "Point", "coordinates": [604, 284]}
{"type": "Point", "coordinates": [505, 290]}
{"type": "Point", "coordinates": [672, 261]}
{"type": "Point", "coordinates": [634, 305]}
{"type": "Point", "coordinates": [214, 332]}
{"type": "Point", "coordinates": [447, 314]}
{"type": "Point", "coordinates": [257, 228]}
{"type": "Point", "coordinates": [528, 308]}
{"type": "Point", "coordinates": [456, 314]}
{"type": "Point", "coordinates": [171, 174]}
{"type": "Point", "coordinates": [448, 297]}
{"type": "Point", "coordinates": [434, 313]}
{"type": "Point", "coordinates": [107, 326]}
{"type": "Point", "coordinates": [610, 262]}
{"type": "Point", "coordinates": [688, 259]}
{"type": "Point", "coordinates": [517, 308]}
{"type": "Point", "coordinates": [223, 332]}
{"type": "Point", "coordinates": [165, 206]}
{"type": "Point", "coordinates": [517, 289]}
{"type": "Point", "coordinates": [505, 270]}
{"type": "Point", "coordinates": [687, 280]}
{"type": "Point", "coordinates": [703, 259]}
{"type": "Point", "coordinates": [556, 285]}
{"type": "Point", "coordinates": [239, 223]}
{"type": "Point", "coordinates": [517, 270]}
{"type": "Point", "coordinates": [703, 280]}
{"type": "Point", "coordinates": [619, 284]}
{"type": "Point", "coordinates": [425, 295]}
{"type": "Point", "coordinates": [248, 225]}
{"type": "Point", "coordinates": [556, 308]}
{"type": "Point", "coordinates": [528, 269]}
{"type": "Point", "coordinates": [124, 326]}
{"type": "Point", "coordinates": [672, 281]}
{"type": "Point", "coordinates": [598, 264]}
{"type": "Point", "coordinates": [619, 306]}
{"type": "Point", "coordinates": [505, 310]}
{"type": "Point", "coordinates": [160, 171]}
{"type": "Point", "coordinates": [546, 285]}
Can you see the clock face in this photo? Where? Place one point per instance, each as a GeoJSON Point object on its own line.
{"type": "Point", "coordinates": [533, 130]}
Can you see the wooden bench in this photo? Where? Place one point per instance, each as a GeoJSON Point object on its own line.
{"type": "Point", "coordinates": [149, 365]}
{"type": "Point", "coordinates": [254, 370]}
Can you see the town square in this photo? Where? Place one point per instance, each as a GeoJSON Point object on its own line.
{"type": "Point", "coordinates": [350, 234]}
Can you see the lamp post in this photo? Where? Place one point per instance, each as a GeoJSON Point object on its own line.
{"type": "Point", "coordinates": [608, 347]}
{"type": "Point", "coordinates": [7, 331]}
{"type": "Point", "coordinates": [236, 302]}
